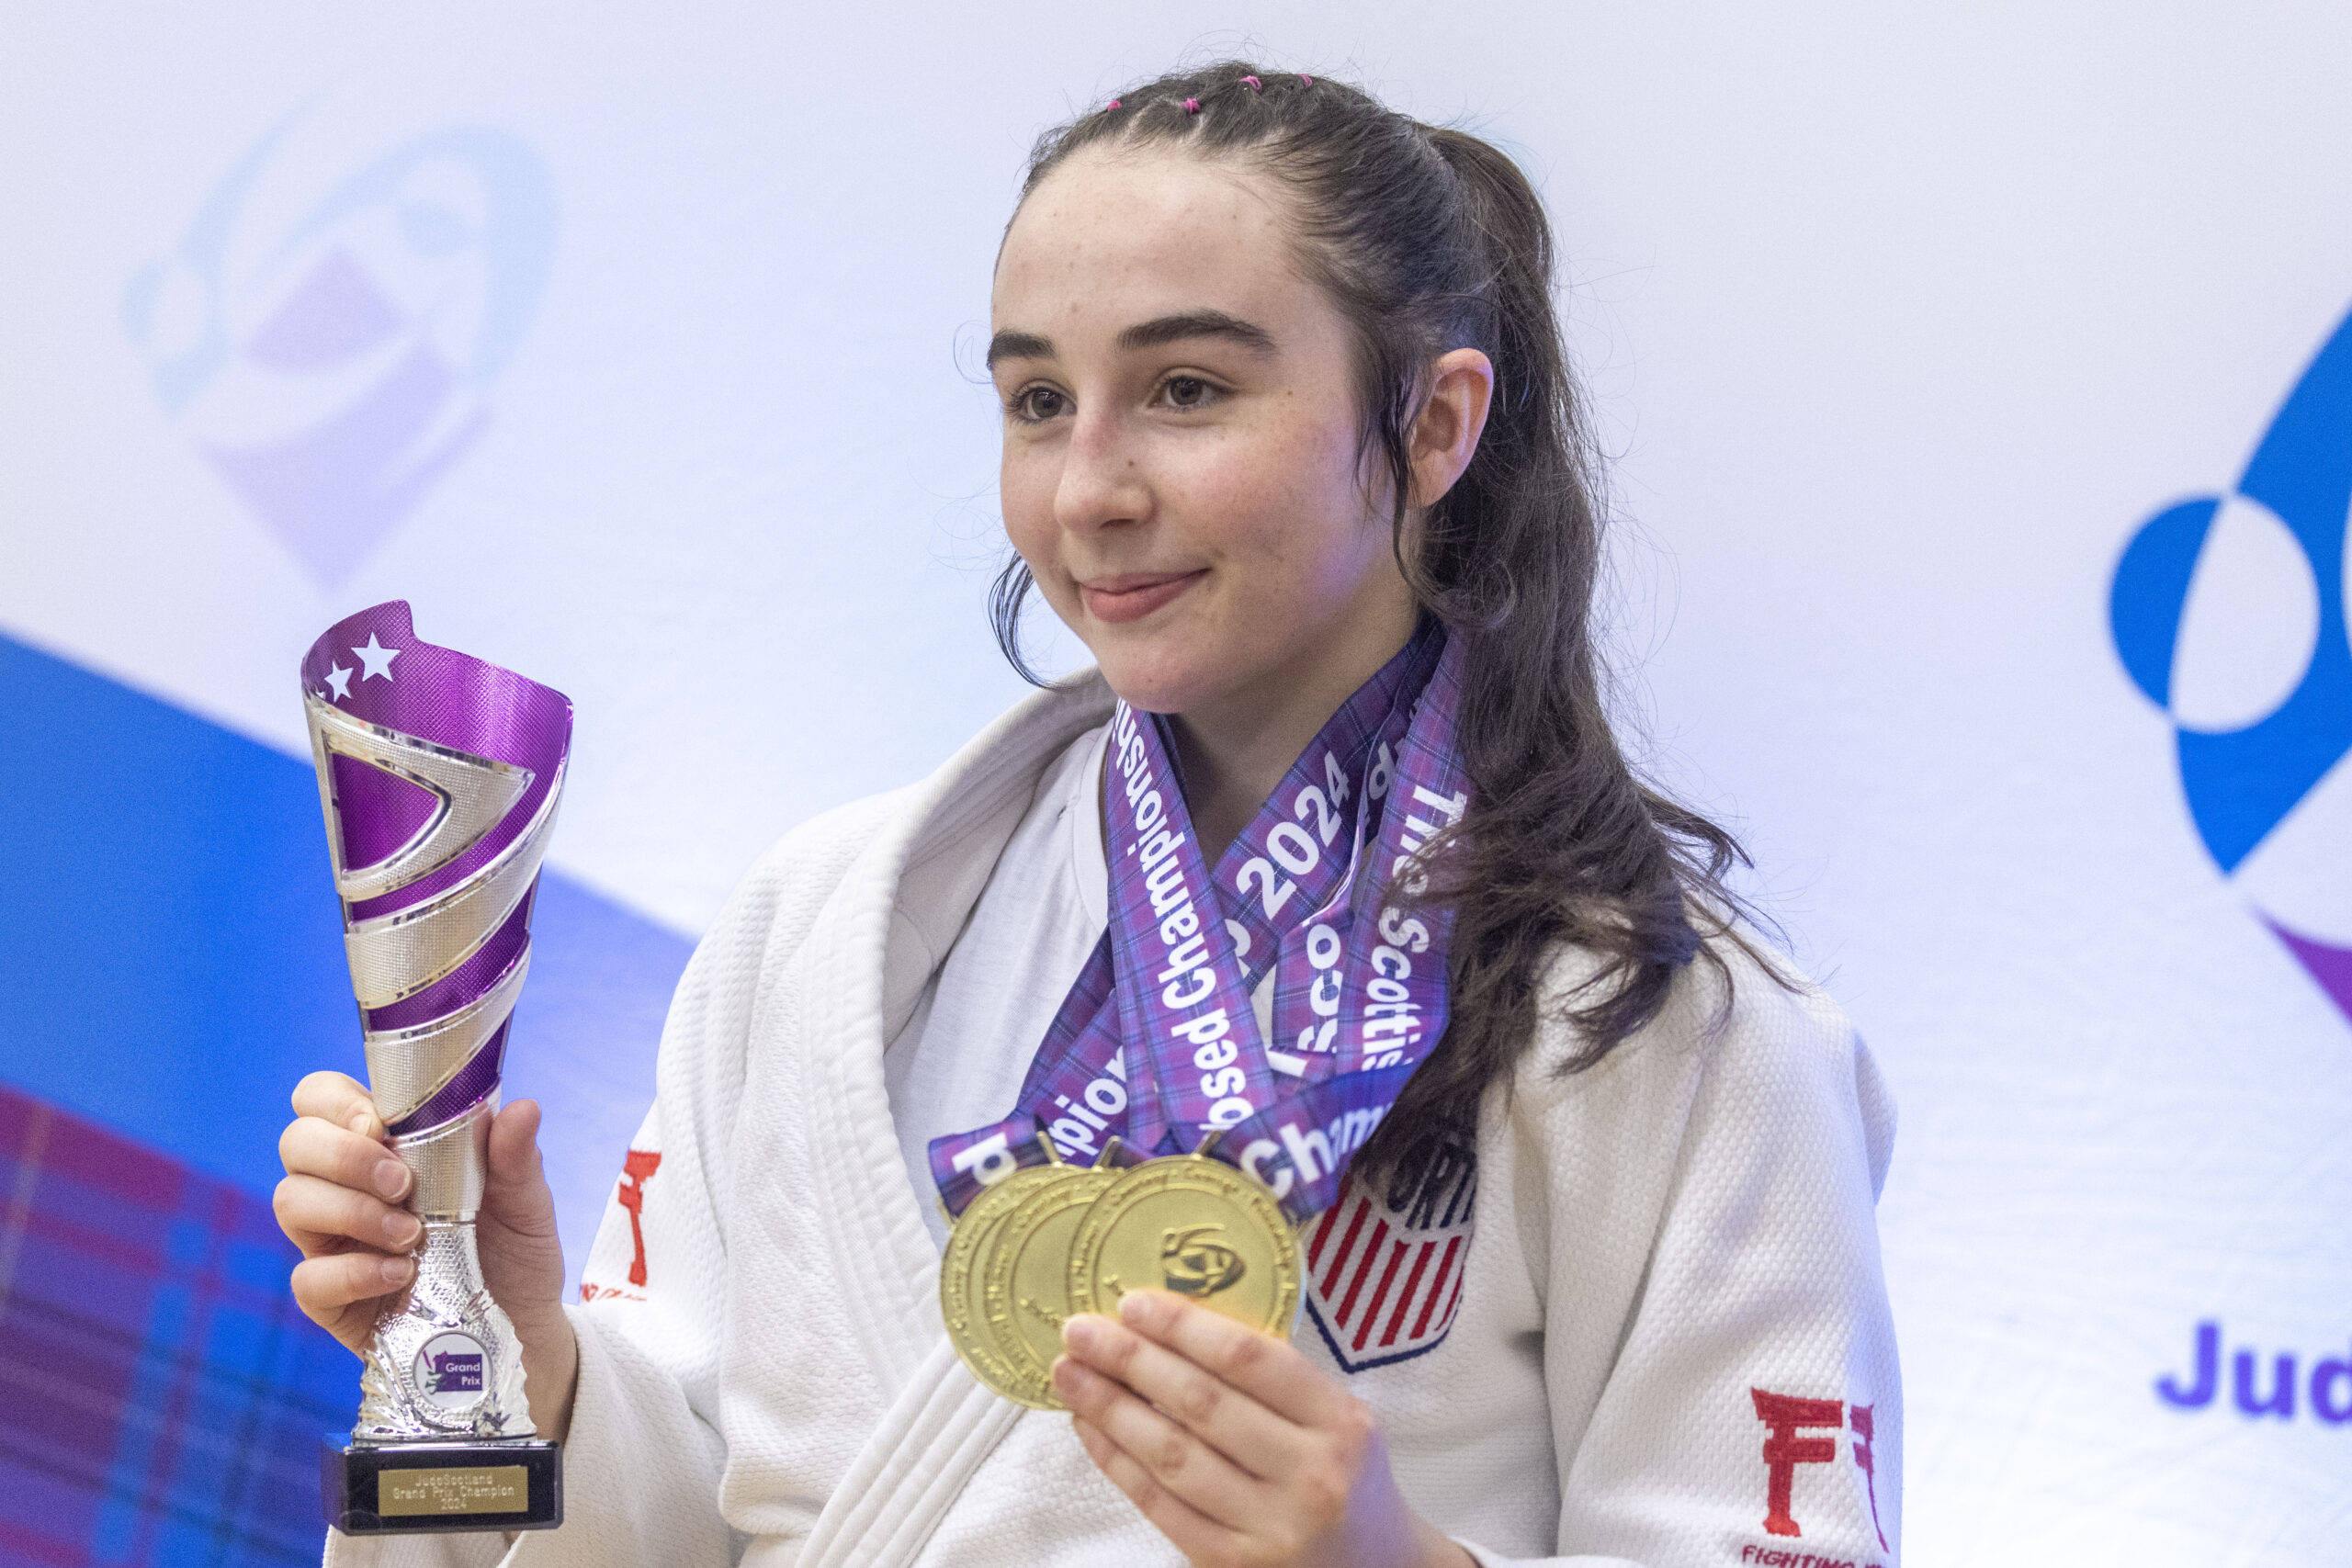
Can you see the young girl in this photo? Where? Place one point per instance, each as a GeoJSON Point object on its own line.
{"type": "Point", "coordinates": [1289, 444]}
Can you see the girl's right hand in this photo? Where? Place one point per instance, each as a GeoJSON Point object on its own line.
{"type": "Point", "coordinates": [340, 1203]}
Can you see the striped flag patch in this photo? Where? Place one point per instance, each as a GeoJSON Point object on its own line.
{"type": "Point", "coordinates": [1385, 1269]}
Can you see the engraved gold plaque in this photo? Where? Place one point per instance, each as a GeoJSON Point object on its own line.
{"type": "Point", "coordinates": [1195, 1227]}
{"type": "Point", "coordinates": [495, 1489]}
{"type": "Point", "coordinates": [963, 1277]}
{"type": "Point", "coordinates": [1025, 1290]}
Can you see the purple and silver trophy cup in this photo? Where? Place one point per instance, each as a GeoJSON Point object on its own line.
{"type": "Point", "coordinates": [439, 775]}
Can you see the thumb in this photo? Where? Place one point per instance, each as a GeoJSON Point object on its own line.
{"type": "Point", "coordinates": [518, 1186]}
{"type": "Point", "coordinates": [522, 1261]}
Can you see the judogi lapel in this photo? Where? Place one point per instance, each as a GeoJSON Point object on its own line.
{"type": "Point", "coordinates": [884, 934]}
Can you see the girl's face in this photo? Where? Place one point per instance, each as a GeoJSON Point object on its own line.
{"type": "Point", "coordinates": [1182, 468]}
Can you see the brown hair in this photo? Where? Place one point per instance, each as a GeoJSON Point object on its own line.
{"type": "Point", "coordinates": [1428, 239]}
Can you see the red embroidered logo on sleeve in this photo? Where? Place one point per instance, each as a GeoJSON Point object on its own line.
{"type": "Point", "coordinates": [1863, 1436]}
{"type": "Point", "coordinates": [1785, 1449]}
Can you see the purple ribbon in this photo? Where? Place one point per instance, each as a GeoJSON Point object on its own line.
{"type": "Point", "coordinates": [1158, 1042]}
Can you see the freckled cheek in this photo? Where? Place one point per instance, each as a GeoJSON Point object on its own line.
{"type": "Point", "coordinates": [1256, 498]}
{"type": "Point", "coordinates": [1026, 493]}
{"type": "Point", "coordinates": [1277, 513]}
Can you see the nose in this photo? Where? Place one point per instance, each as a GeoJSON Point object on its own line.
{"type": "Point", "coordinates": [1103, 482]}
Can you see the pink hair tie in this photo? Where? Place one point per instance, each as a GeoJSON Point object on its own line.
{"type": "Point", "coordinates": [1192, 105]}
{"type": "Point", "coordinates": [1253, 83]}
{"type": "Point", "coordinates": [1303, 77]}
{"type": "Point", "coordinates": [1109, 106]}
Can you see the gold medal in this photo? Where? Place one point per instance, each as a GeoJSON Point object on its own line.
{"type": "Point", "coordinates": [963, 1276]}
{"type": "Point", "coordinates": [1195, 1227]}
{"type": "Point", "coordinates": [1027, 1288]}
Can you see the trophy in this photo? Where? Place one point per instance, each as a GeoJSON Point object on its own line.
{"type": "Point", "coordinates": [439, 775]}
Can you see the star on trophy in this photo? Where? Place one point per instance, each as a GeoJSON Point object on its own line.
{"type": "Point", "coordinates": [439, 775]}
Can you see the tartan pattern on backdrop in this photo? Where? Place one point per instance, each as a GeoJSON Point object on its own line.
{"type": "Point", "coordinates": [161, 1397]}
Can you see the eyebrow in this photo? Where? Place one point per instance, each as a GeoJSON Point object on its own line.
{"type": "Point", "coordinates": [1154, 334]}
{"type": "Point", "coordinates": [1018, 345]}
{"type": "Point", "coordinates": [1197, 323]}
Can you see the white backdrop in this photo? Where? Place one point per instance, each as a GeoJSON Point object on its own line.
{"type": "Point", "coordinates": [1899, 323]}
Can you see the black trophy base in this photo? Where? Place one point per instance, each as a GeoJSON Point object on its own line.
{"type": "Point", "coordinates": [506, 1484]}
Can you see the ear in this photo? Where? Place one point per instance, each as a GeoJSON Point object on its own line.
{"type": "Point", "coordinates": [1446, 434]}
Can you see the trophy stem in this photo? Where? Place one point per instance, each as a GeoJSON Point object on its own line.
{"type": "Point", "coordinates": [450, 1163]}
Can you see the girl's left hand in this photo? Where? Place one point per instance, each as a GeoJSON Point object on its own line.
{"type": "Point", "coordinates": [1234, 1445]}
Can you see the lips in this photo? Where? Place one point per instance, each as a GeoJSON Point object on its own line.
{"type": "Point", "coordinates": [1133, 595]}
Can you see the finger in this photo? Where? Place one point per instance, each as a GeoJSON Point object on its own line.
{"type": "Point", "coordinates": [1227, 1418]}
{"type": "Point", "coordinates": [321, 1217]}
{"type": "Point", "coordinates": [1193, 1533]}
{"type": "Point", "coordinates": [325, 1287]}
{"type": "Point", "coordinates": [313, 1146]}
{"type": "Point", "coordinates": [518, 1187]}
{"type": "Point", "coordinates": [1189, 1468]}
{"type": "Point", "coordinates": [1269, 1370]}
{"type": "Point", "coordinates": [341, 1099]}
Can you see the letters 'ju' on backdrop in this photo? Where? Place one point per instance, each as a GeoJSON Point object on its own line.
{"type": "Point", "coordinates": [1980, 395]}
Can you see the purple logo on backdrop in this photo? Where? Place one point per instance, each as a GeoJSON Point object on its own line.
{"type": "Point", "coordinates": [331, 342]}
{"type": "Point", "coordinates": [2228, 611]}
{"type": "Point", "coordinates": [2261, 1385]}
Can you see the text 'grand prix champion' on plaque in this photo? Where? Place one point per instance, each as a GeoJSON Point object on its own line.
{"type": "Point", "coordinates": [439, 774]}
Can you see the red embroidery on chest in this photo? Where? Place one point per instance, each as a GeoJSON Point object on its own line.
{"type": "Point", "coordinates": [638, 1169]}
{"type": "Point", "coordinates": [1384, 1271]}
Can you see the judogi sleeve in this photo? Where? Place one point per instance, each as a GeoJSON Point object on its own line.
{"type": "Point", "coordinates": [1748, 1410]}
{"type": "Point", "coordinates": [642, 1458]}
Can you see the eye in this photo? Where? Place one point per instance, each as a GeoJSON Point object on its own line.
{"type": "Point", "coordinates": [1187, 392]}
{"type": "Point", "coordinates": [1035, 405]}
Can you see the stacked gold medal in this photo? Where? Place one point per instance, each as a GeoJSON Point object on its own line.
{"type": "Point", "coordinates": [1051, 1240]}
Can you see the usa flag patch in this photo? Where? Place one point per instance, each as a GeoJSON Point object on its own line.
{"type": "Point", "coordinates": [1385, 1270]}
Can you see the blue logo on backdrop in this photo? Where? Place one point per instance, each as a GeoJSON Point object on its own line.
{"type": "Point", "coordinates": [2228, 611]}
{"type": "Point", "coordinates": [332, 360]}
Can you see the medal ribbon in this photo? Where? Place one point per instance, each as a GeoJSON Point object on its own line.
{"type": "Point", "coordinates": [1157, 1042]}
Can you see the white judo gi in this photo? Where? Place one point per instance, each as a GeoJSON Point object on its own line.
{"type": "Point", "coordinates": [1643, 1322]}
